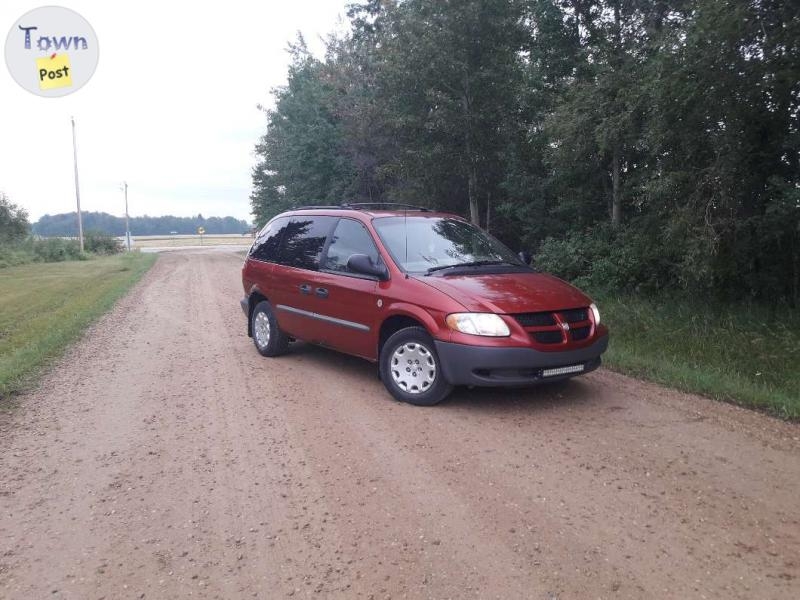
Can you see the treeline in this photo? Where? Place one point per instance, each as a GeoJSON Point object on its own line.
{"type": "Point", "coordinates": [637, 145]}
{"type": "Point", "coordinates": [67, 225]}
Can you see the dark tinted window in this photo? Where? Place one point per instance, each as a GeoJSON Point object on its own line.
{"type": "Point", "coordinates": [303, 240]}
{"type": "Point", "coordinates": [268, 241]}
{"type": "Point", "coordinates": [350, 237]}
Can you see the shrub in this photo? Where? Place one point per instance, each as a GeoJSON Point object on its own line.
{"type": "Point", "coordinates": [56, 250]}
{"type": "Point", "coordinates": [98, 242]}
{"type": "Point", "coordinates": [630, 259]}
{"type": "Point", "coordinates": [12, 255]}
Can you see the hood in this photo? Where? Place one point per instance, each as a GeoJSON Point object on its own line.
{"type": "Point", "coordinates": [510, 292]}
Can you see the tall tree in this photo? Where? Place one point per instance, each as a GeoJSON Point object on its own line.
{"type": "Point", "coordinates": [655, 140]}
{"type": "Point", "coordinates": [447, 70]}
{"type": "Point", "coordinates": [300, 158]}
{"type": "Point", "coordinates": [14, 225]}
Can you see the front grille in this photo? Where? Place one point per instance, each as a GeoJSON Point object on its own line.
{"type": "Point", "coordinates": [574, 316]}
{"type": "Point", "coordinates": [580, 333]}
{"type": "Point", "coordinates": [545, 327]}
{"type": "Point", "coordinates": [540, 319]}
{"type": "Point", "coordinates": [547, 337]}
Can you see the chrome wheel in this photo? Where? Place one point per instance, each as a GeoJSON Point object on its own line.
{"type": "Point", "coordinates": [261, 329]}
{"type": "Point", "coordinates": [413, 368]}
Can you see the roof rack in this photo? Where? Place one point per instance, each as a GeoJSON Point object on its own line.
{"type": "Point", "coordinates": [364, 206]}
{"type": "Point", "coordinates": [320, 207]}
{"type": "Point", "coordinates": [388, 205]}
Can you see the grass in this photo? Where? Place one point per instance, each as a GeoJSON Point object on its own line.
{"type": "Point", "coordinates": [46, 306]}
{"type": "Point", "coordinates": [747, 355]}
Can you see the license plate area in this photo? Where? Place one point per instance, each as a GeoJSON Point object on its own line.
{"type": "Point", "coordinates": [557, 371]}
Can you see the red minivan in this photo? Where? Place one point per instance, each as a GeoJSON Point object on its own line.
{"type": "Point", "coordinates": [434, 300]}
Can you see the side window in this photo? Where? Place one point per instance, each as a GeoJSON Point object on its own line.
{"type": "Point", "coordinates": [350, 237]}
{"type": "Point", "coordinates": [268, 241]}
{"type": "Point", "coordinates": [303, 240]}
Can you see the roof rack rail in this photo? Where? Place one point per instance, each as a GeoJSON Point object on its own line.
{"type": "Point", "coordinates": [363, 206]}
{"type": "Point", "coordinates": [320, 206]}
{"type": "Point", "coordinates": [389, 205]}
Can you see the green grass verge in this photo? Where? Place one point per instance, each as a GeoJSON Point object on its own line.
{"type": "Point", "coordinates": [46, 306]}
{"type": "Point", "coordinates": [747, 355]}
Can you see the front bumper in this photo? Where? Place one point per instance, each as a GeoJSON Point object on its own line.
{"type": "Point", "coordinates": [483, 366]}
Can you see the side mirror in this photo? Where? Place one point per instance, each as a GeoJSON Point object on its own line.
{"type": "Point", "coordinates": [361, 263]}
{"type": "Point", "coordinates": [525, 257]}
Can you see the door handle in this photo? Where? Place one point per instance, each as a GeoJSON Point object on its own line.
{"type": "Point", "coordinates": [322, 292]}
{"type": "Point", "coordinates": [305, 288]}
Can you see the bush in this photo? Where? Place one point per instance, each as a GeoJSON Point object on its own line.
{"type": "Point", "coordinates": [11, 256]}
{"type": "Point", "coordinates": [98, 242]}
{"type": "Point", "coordinates": [55, 250]}
{"type": "Point", "coordinates": [629, 259]}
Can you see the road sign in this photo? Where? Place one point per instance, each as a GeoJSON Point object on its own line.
{"type": "Point", "coordinates": [201, 230]}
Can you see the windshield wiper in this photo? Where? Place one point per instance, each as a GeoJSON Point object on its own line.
{"type": "Point", "coordinates": [475, 263]}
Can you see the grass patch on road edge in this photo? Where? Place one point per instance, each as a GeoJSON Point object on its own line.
{"type": "Point", "coordinates": [46, 307]}
{"type": "Point", "coordinates": [743, 354]}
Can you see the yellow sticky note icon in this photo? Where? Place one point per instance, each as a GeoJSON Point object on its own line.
{"type": "Point", "coordinates": [54, 71]}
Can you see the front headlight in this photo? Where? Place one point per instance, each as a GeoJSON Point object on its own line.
{"type": "Point", "coordinates": [478, 324]}
{"type": "Point", "coordinates": [595, 313]}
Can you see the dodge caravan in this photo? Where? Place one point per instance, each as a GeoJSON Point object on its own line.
{"type": "Point", "coordinates": [433, 300]}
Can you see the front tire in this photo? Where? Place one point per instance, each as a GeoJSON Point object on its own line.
{"type": "Point", "coordinates": [410, 368]}
{"type": "Point", "coordinates": [268, 337]}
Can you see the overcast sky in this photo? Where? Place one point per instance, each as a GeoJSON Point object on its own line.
{"type": "Point", "coordinates": [171, 108]}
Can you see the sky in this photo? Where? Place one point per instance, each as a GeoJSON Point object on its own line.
{"type": "Point", "coordinates": [171, 108]}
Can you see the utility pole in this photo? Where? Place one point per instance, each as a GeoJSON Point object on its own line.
{"type": "Point", "coordinates": [77, 187]}
{"type": "Point", "coordinates": [127, 227]}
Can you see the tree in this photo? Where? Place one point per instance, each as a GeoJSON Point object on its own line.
{"type": "Point", "coordinates": [300, 157]}
{"type": "Point", "coordinates": [724, 136]}
{"type": "Point", "coordinates": [649, 144]}
{"type": "Point", "coordinates": [14, 226]}
{"type": "Point", "coordinates": [447, 70]}
{"type": "Point", "coordinates": [353, 66]}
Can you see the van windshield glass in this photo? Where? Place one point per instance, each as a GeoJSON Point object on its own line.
{"type": "Point", "coordinates": [427, 244]}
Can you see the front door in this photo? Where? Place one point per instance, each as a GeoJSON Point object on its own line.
{"type": "Point", "coordinates": [346, 302]}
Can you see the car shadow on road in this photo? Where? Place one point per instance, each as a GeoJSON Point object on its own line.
{"type": "Point", "coordinates": [570, 393]}
{"type": "Point", "coordinates": [327, 359]}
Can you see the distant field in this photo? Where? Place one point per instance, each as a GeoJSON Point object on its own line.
{"type": "Point", "coordinates": [46, 306]}
{"type": "Point", "coordinates": [176, 241]}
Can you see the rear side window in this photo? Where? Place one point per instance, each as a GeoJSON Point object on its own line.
{"type": "Point", "coordinates": [303, 240]}
{"type": "Point", "coordinates": [350, 237]}
{"type": "Point", "coordinates": [268, 241]}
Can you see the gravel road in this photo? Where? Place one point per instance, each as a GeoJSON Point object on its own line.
{"type": "Point", "coordinates": [164, 458]}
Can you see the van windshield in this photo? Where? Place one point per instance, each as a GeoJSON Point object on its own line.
{"type": "Point", "coordinates": [430, 244]}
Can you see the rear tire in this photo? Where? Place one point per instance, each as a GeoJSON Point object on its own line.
{"type": "Point", "coordinates": [268, 337]}
{"type": "Point", "coordinates": [410, 368]}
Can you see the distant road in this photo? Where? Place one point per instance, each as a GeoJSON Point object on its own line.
{"type": "Point", "coordinates": [224, 247]}
{"type": "Point", "coordinates": [165, 458]}
{"type": "Point", "coordinates": [163, 243]}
